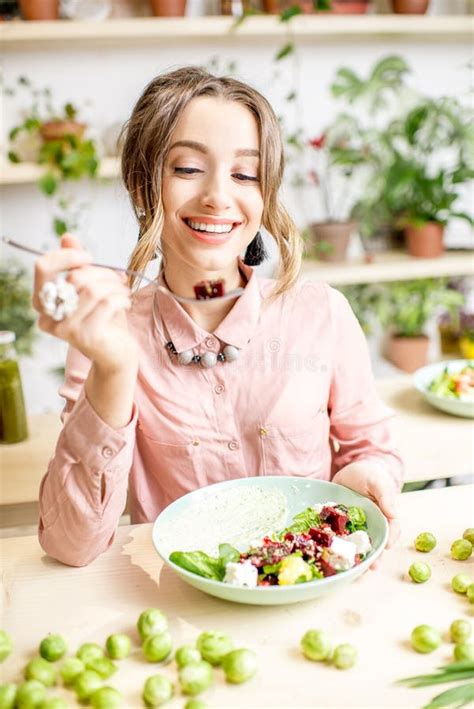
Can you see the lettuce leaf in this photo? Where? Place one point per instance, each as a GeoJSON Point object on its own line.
{"type": "Point", "coordinates": [357, 519]}
{"type": "Point", "coordinates": [200, 563]}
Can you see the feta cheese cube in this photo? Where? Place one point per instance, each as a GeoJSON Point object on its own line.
{"type": "Point", "coordinates": [341, 554]}
{"type": "Point", "coordinates": [241, 574]}
{"type": "Point", "coordinates": [361, 540]}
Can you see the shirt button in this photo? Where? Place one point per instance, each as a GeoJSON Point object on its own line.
{"type": "Point", "coordinates": [196, 442]}
{"type": "Point", "coordinates": [219, 389]}
{"type": "Point", "coordinates": [210, 343]}
{"type": "Point", "coordinates": [107, 452]}
{"type": "Point", "coordinates": [234, 445]}
{"type": "Point", "coordinates": [263, 432]}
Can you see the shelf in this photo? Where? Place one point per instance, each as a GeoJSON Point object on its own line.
{"type": "Point", "coordinates": [17, 35]}
{"type": "Point", "coordinates": [390, 266]}
{"type": "Point", "coordinates": [25, 173]}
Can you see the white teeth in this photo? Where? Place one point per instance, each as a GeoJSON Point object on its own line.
{"type": "Point", "coordinates": [210, 228]}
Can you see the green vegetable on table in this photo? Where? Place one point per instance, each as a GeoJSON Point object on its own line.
{"type": "Point", "coordinates": [118, 646]}
{"type": "Point", "coordinates": [469, 535]}
{"type": "Point", "coordinates": [106, 698]}
{"type": "Point", "coordinates": [425, 542]}
{"type": "Point", "coordinates": [151, 622]}
{"type": "Point", "coordinates": [8, 695]}
{"type": "Point", "coordinates": [458, 696]}
{"type": "Point", "coordinates": [186, 654]}
{"type": "Point", "coordinates": [460, 583]}
{"type": "Point", "coordinates": [157, 691]}
{"type": "Point", "coordinates": [419, 572]}
{"type": "Point", "coordinates": [195, 704]}
{"type": "Point", "coordinates": [156, 648]}
{"type": "Point", "coordinates": [89, 651]}
{"type": "Point", "coordinates": [239, 665]}
{"type": "Point", "coordinates": [344, 656]}
{"type": "Point", "coordinates": [104, 666]}
{"type": "Point", "coordinates": [71, 668]}
{"type": "Point", "coordinates": [86, 684]}
{"type": "Point", "coordinates": [195, 677]}
{"type": "Point", "coordinates": [464, 651]}
{"type": "Point", "coordinates": [30, 694]}
{"type": "Point", "coordinates": [425, 638]}
{"type": "Point", "coordinates": [53, 703]}
{"type": "Point", "coordinates": [214, 645]}
{"type": "Point", "coordinates": [470, 593]}
{"type": "Point", "coordinates": [53, 648]}
{"type": "Point", "coordinates": [461, 549]}
{"type": "Point", "coordinates": [316, 645]}
{"type": "Point", "coordinates": [460, 630]}
{"type": "Point", "coordinates": [42, 671]}
{"type": "Point", "coordinates": [6, 645]}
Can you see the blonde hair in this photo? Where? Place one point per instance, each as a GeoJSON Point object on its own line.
{"type": "Point", "coordinates": [146, 144]}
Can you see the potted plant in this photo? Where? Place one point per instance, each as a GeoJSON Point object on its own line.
{"type": "Point", "coordinates": [39, 9]}
{"type": "Point", "coordinates": [16, 313]}
{"type": "Point", "coordinates": [410, 7]}
{"type": "Point", "coordinates": [168, 8]}
{"type": "Point", "coordinates": [404, 310]}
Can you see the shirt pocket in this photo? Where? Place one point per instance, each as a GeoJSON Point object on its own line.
{"type": "Point", "coordinates": [174, 460]}
{"type": "Point", "coordinates": [295, 449]}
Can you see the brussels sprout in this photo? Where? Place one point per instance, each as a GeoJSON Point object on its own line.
{"type": "Point", "coordinates": [41, 670]}
{"type": "Point", "coordinates": [86, 684]}
{"type": "Point", "coordinates": [156, 648]}
{"type": "Point", "coordinates": [464, 651]}
{"type": "Point", "coordinates": [470, 593]}
{"type": "Point", "coordinates": [425, 638]}
{"type": "Point", "coordinates": [89, 651]}
{"type": "Point", "coordinates": [460, 631]}
{"type": "Point", "coordinates": [461, 549]}
{"type": "Point", "coordinates": [344, 656]}
{"type": "Point", "coordinates": [239, 665]}
{"type": "Point", "coordinates": [71, 668]}
{"type": "Point", "coordinates": [469, 535]}
{"type": "Point", "coordinates": [186, 654]}
{"type": "Point", "coordinates": [30, 694]}
{"type": "Point", "coordinates": [7, 695]}
{"type": "Point", "coordinates": [52, 648]}
{"type": "Point", "coordinates": [195, 704]}
{"type": "Point", "coordinates": [118, 646]}
{"type": "Point", "coordinates": [195, 677]}
{"type": "Point", "coordinates": [316, 645]}
{"type": "Point", "coordinates": [53, 703]}
{"type": "Point", "coordinates": [425, 542]}
{"type": "Point", "coordinates": [419, 572]}
{"type": "Point", "coordinates": [151, 622]}
{"type": "Point", "coordinates": [104, 667]}
{"type": "Point", "coordinates": [157, 691]}
{"type": "Point", "coordinates": [460, 582]}
{"type": "Point", "coordinates": [106, 698]}
{"type": "Point", "coordinates": [213, 645]}
{"type": "Point", "coordinates": [6, 645]}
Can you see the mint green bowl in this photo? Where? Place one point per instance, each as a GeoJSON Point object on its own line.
{"type": "Point", "coordinates": [423, 377]}
{"type": "Point", "coordinates": [300, 493]}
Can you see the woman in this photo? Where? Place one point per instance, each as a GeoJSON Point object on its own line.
{"type": "Point", "coordinates": [163, 397]}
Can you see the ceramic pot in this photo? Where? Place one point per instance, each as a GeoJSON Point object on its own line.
{"type": "Point", "coordinates": [349, 7]}
{"type": "Point", "coordinates": [39, 9]}
{"type": "Point", "coordinates": [168, 8]}
{"type": "Point", "coordinates": [407, 353]}
{"type": "Point", "coordinates": [410, 7]}
{"type": "Point", "coordinates": [57, 130]}
{"type": "Point", "coordinates": [274, 7]}
{"type": "Point", "coordinates": [425, 241]}
{"type": "Point", "coordinates": [330, 240]}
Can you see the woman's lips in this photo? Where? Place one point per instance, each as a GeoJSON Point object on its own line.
{"type": "Point", "coordinates": [211, 238]}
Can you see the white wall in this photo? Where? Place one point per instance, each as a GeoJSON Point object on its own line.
{"type": "Point", "coordinates": [114, 77]}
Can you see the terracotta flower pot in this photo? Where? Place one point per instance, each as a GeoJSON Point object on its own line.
{"type": "Point", "coordinates": [330, 240]}
{"type": "Point", "coordinates": [56, 130]}
{"type": "Point", "coordinates": [425, 241]}
{"type": "Point", "coordinates": [274, 7]}
{"type": "Point", "coordinates": [168, 8]}
{"type": "Point", "coordinates": [410, 7]}
{"type": "Point", "coordinates": [39, 9]}
{"type": "Point", "coordinates": [407, 353]}
{"type": "Point", "coordinates": [349, 7]}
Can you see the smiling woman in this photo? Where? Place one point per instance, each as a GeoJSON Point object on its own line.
{"type": "Point", "coordinates": [164, 396]}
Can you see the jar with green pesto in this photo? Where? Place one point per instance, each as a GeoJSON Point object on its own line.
{"type": "Point", "coordinates": [13, 426]}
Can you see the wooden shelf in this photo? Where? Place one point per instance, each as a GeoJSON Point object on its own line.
{"type": "Point", "coordinates": [17, 35]}
{"type": "Point", "coordinates": [390, 266]}
{"type": "Point", "coordinates": [25, 173]}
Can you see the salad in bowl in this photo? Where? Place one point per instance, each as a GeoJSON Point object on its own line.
{"type": "Point", "coordinates": [448, 386]}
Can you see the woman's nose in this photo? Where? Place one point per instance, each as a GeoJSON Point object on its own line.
{"type": "Point", "coordinates": [215, 193]}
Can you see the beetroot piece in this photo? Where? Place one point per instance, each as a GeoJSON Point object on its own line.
{"type": "Point", "coordinates": [326, 568]}
{"type": "Point", "coordinates": [336, 519]}
{"type": "Point", "coordinates": [322, 537]}
{"type": "Point", "coordinates": [209, 289]}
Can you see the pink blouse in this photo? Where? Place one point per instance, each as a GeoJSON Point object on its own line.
{"type": "Point", "coordinates": [300, 400]}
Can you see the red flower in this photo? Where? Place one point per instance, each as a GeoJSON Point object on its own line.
{"type": "Point", "coordinates": [318, 143]}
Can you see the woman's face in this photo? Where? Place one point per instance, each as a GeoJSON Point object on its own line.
{"type": "Point", "coordinates": [211, 192]}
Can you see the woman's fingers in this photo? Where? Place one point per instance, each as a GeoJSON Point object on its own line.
{"type": "Point", "coordinates": [48, 267]}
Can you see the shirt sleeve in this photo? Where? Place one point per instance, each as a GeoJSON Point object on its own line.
{"type": "Point", "coordinates": [84, 490]}
{"type": "Point", "coordinates": [360, 424]}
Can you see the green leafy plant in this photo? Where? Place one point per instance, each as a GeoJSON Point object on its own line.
{"type": "Point", "coordinates": [16, 313]}
{"type": "Point", "coordinates": [407, 306]}
{"type": "Point", "coordinates": [458, 696]}
{"type": "Point", "coordinates": [364, 301]}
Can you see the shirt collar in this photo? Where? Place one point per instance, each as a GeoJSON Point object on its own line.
{"type": "Point", "coordinates": [236, 328]}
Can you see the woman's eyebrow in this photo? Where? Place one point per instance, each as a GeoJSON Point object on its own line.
{"type": "Point", "coordinates": [247, 152]}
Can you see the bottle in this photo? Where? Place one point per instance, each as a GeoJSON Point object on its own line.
{"type": "Point", "coordinates": [13, 426]}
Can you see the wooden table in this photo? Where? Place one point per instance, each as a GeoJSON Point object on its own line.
{"type": "Point", "coordinates": [433, 444]}
{"type": "Point", "coordinates": [376, 614]}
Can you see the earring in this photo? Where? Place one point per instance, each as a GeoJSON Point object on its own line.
{"type": "Point", "coordinates": [255, 253]}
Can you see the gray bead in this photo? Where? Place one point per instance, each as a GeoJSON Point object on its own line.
{"type": "Point", "coordinates": [185, 357]}
{"type": "Point", "coordinates": [231, 353]}
{"type": "Point", "coordinates": [208, 360]}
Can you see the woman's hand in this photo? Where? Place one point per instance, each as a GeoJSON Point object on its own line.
{"type": "Point", "coordinates": [373, 481]}
{"type": "Point", "coordinates": [98, 327]}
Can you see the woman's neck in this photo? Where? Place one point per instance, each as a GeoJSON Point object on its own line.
{"type": "Point", "coordinates": [182, 281]}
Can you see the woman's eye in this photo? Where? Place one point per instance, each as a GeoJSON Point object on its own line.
{"type": "Point", "coordinates": [186, 170]}
{"type": "Point", "coordinates": [245, 177]}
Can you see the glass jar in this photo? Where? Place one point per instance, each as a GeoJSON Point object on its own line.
{"type": "Point", "coordinates": [13, 426]}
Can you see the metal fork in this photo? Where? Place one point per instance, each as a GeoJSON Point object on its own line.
{"type": "Point", "coordinates": [180, 298]}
